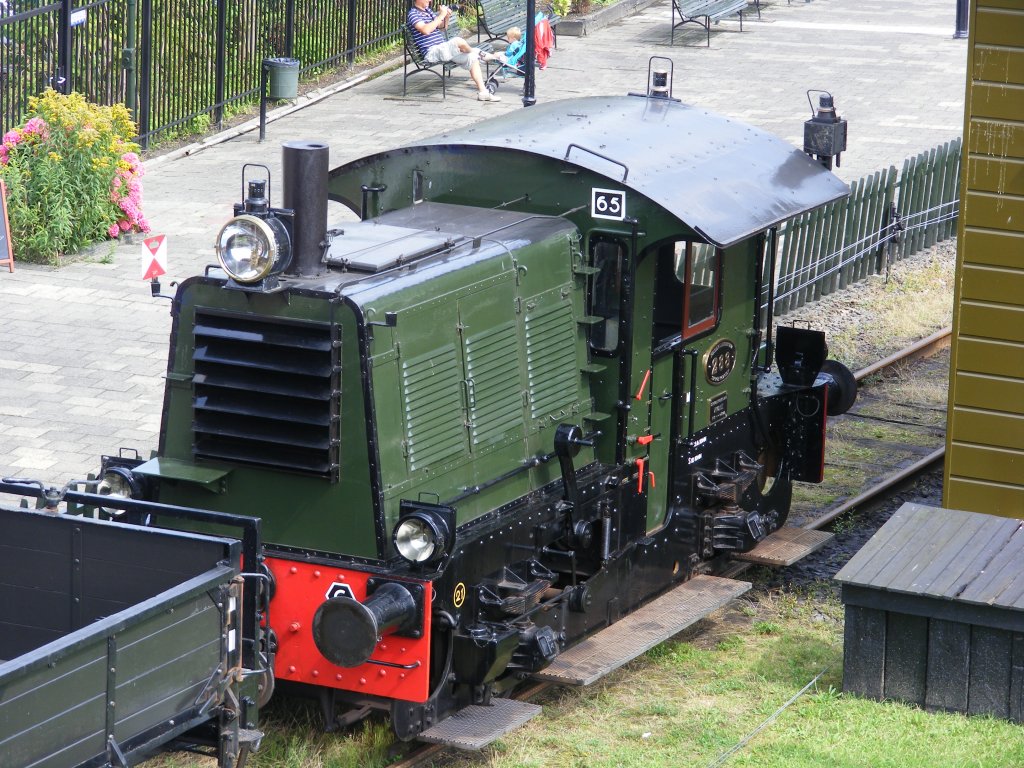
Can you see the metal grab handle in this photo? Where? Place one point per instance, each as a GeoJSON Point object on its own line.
{"type": "Point", "coordinates": [623, 166]}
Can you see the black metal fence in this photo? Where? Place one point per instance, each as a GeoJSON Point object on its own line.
{"type": "Point", "coordinates": [180, 65]}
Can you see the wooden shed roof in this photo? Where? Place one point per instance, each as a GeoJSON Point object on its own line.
{"type": "Point", "coordinates": [944, 554]}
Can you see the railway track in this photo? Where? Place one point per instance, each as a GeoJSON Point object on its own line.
{"type": "Point", "coordinates": [925, 348]}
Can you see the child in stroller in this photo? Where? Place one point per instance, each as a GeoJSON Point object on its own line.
{"type": "Point", "coordinates": [509, 59]}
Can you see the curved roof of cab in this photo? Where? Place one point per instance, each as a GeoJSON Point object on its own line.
{"type": "Point", "coordinates": [722, 178]}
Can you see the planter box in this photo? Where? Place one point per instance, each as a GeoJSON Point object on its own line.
{"type": "Point", "coordinates": [576, 26]}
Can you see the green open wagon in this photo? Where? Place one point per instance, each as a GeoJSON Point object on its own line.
{"type": "Point", "coordinates": [117, 639]}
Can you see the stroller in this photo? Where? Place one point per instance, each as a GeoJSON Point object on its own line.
{"type": "Point", "coordinates": [508, 65]}
{"type": "Point", "coordinates": [510, 59]}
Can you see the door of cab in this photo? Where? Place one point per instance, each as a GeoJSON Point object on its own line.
{"type": "Point", "coordinates": [657, 329]}
{"type": "Point", "coordinates": [684, 305]}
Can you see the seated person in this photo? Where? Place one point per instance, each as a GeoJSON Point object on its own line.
{"type": "Point", "coordinates": [426, 28]}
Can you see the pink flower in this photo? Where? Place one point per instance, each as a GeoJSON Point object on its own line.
{"type": "Point", "coordinates": [11, 138]}
{"type": "Point", "coordinates": [124, 225]}
{"type": "Point", "coordinates": [36, 125]}
{"type": "Point", "coordinates": [113, 230]}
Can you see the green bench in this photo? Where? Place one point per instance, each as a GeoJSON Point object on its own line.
{"type": "Point", "coordinates": [413, 62]}
{"type": "Point", "coordinates": [703, 12]}
{"type": "Point", "coordinates": [495, 17]}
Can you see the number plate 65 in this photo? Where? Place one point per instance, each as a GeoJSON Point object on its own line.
{"type": "Point", "coordinates": [608, 204]}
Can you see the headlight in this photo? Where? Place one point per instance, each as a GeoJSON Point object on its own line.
{"type": "Point", "coordinates": [119, 483]}
{"type": "Point", "coordinates": [250, 248]}
{"type": "Point", "coordinates": [421, 537]}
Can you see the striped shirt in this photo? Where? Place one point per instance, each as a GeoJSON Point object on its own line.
{"type": "Point", "coordinates": [424, 42]}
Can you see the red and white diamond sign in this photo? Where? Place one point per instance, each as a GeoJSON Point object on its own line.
{"type": "Point", "coordinates": [154, 257]}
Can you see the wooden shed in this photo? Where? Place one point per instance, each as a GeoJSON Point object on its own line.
{"type": "Point", "coordinates": [935, 613]}
{"type": "Point", "coordinates": [985, 434]}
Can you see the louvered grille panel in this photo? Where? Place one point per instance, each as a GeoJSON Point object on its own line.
{"type": "Point", "coordinates": [552, 372]}
{"type": "Point", "coordinates": [264, 393]}
{"type": "Point", "coordinates": [433, 408]}
{"type": "Point", "coordinates": [495, 406]}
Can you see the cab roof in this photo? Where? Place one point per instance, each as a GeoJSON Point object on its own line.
{"type": "Point", "coordinates": [724, 179]}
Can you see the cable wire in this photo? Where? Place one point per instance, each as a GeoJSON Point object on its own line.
{"type": "Point", "coordinates": [811, 274]}
{"type": "Point", "coordinates": [720, 760]}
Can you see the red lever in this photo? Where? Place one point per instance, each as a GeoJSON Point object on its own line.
{"type": "Point", "coordinates": [643, 384]}
{"type": "Point", "coordinates": [645, 439]}
{"type": "Point", "coordinates": [641, 465]}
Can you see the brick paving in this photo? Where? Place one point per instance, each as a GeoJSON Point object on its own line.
{"type": "Point", "coordinates": [83, 348]}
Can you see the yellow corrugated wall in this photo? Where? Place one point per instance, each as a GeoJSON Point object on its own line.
{"type": "Point", "coordinates": [985, 431]}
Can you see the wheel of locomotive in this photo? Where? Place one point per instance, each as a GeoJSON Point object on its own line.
{"type": "Point", "coordinates": [265, 683]}
{"type": "Point", "coordinates": [265, 680]}
{"type": "Point", "coordinates": [407, 720]}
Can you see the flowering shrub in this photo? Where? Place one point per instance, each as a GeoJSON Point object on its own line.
{"type": "Point", "coordinates": [73, 177]}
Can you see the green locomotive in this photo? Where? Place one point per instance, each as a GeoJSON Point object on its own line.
{"type": "Point", "coordinates": [532, 388]}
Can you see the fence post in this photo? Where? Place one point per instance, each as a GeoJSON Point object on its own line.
{"type": "Point", "coordinates": [220, 65]}
{"type": "Point", "coordinates": [289, 29]}
{"type": "Point", "coordinates": [906, 185]}
{"type": "Point", "coordinates": [867, 229]}
{"type": "Point", "coordinates": [350, 43]}
{"type": "Point", "coordinates": [788, 236]}
{"type": "Point", "coordinates": [146, 70]}
{"type": "Point", "coordinates": [61, 80]}
{"type": "Point", "coordinates": [128, 59]}
{"type": "Point", "coordinates": [935, 158]}
{"type": "Point", "coordinates": [953, 186]}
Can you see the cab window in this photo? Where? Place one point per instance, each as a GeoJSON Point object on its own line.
{"type": "Point", "coordinates": [698, 266]}
{"type": "Point", "coordinates": [606, 255]}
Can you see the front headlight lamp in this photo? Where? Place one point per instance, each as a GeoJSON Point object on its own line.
{"type": "Point", "coordinates": [250, 248]}
{"type": "Point", "coordinates": [421, 537]}
{"type": "Point", "coordinates": [119, 483]}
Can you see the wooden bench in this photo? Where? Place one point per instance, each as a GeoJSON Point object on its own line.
{"type": "Point", "coordinates": [495, 17]}
{"type": "Point", "coordinates": [703, 12]}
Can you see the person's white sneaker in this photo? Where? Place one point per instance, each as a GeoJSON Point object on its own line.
{"type": "Point", "coordinates": [487, 96]}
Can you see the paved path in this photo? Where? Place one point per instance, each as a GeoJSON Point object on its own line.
{"type": "Point", "coordinates": [83, 348]}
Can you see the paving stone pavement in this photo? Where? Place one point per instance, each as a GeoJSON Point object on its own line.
{"type": "Point", "coordinates": [83, 348]}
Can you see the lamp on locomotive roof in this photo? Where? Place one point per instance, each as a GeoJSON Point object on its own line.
{"type": "Point", "coordinates": [659, 79]}
{"type": "Point", "coordinates": [825, 132]}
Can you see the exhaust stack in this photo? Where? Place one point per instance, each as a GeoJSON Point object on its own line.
{"type": "Point", "coordinates": [304, 165]}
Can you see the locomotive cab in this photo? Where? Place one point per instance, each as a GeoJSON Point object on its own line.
{"type": "Point", "coordinates": [480, 424]}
